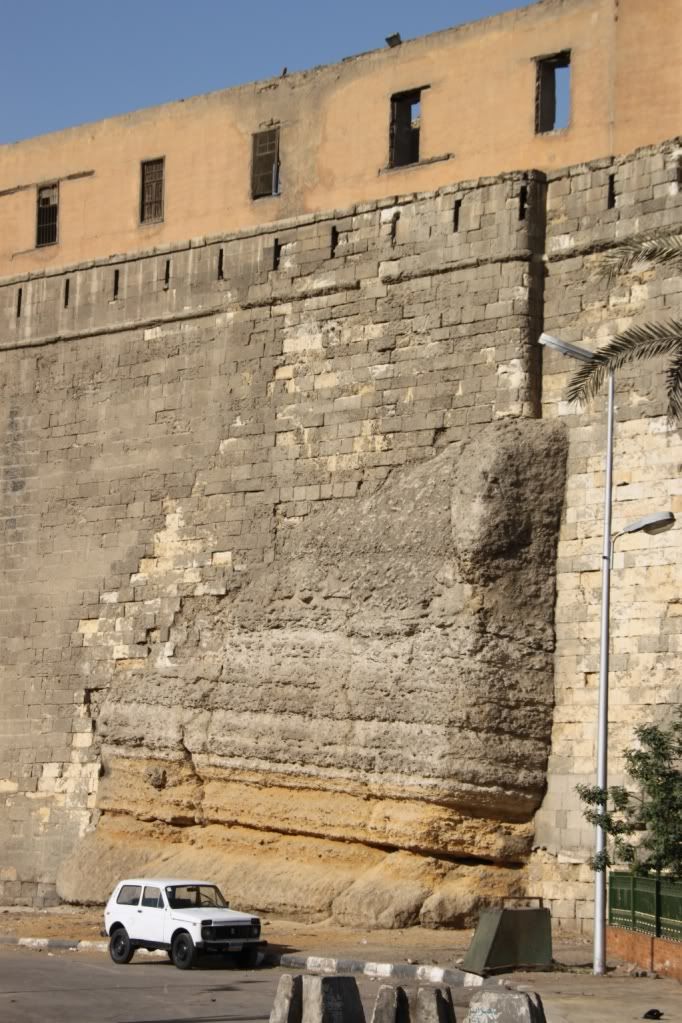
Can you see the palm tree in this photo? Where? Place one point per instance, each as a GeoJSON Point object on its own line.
{"type": "Point", "coordinates": [645, 341]}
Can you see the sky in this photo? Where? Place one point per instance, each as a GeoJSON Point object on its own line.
{"type": "Point", "coordinates": [65, 62]}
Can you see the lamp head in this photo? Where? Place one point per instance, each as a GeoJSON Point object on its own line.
{"type": "Point", "coordinates": [651, 524]}
{"type": "Point", "coordinates": [565, 348]}
{"type": "Point", "coordinates": [394, 39]}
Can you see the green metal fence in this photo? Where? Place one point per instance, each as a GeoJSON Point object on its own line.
{"type": "Point", "coordinates": [646, 904]}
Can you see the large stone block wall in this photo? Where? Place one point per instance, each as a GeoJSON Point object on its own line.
{"type": "Point", "coordinates": [646, 626]}
{"type": "Point", "coordinates": [261, 571]}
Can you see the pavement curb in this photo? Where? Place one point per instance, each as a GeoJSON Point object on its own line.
{"type": "Point", "coordinates": [401, 971]}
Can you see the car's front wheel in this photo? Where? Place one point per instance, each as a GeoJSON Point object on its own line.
{"type": "Point", "coordinates": [183, 952]}
{"type": "Point", "coordinates": [120, 949]}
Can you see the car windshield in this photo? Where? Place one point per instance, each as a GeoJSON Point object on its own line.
{"type": "Point", "coordinates": [191, 896]}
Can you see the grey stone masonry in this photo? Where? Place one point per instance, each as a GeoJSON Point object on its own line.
{"type": "Point", "coordinates": [169, 416]}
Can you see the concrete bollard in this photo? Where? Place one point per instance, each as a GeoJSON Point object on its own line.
{"type": "Point", "coordinates": [391, 1005]}
{"type": "Point", "coordinates": [288, 1004]}
{"type": "Point", "coordinates": [426, 1005]}
{"type": "Point", "coordinates": [331, 1000]}
{"type": "Point", "coordinates": [434, 1005]}
{"type": "Point", "coordinates": [506, 1007]}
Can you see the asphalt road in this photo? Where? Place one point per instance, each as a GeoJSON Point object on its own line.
{"type": "Point", "coordinates": [81, 987]}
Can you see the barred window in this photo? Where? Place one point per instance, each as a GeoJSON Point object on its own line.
{"type": "Point", "coordinates": [265, 163]}
{"type": "Point", "coordinates": [151, 192]}
{"type": "Point", "coordinates": [47, 215]}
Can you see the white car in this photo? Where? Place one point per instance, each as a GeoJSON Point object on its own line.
{"type": "Point", "coordinates": [183, 917]}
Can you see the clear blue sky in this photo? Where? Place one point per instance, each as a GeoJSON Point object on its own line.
{"type": "Point", "coordinates": [64, 62]}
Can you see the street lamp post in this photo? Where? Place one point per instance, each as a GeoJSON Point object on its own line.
{"type": "Point", "coordinates": [649, 524]}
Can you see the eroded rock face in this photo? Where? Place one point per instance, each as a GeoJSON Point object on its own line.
{"type": "Point", "coordinates": [385, 680]}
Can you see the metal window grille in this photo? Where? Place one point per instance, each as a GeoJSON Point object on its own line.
{"type": "Point", "coordinates": [47, 215]}
{"type": "Point", "coordinates": [151, 199]}
{"type": "Point", "coordinates": [265, 165]}
{"type": "Point", "coordinates": [405, 125]}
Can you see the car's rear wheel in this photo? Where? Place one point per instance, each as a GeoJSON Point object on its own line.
{"type": "Point", "coordinates": [120, 949]}
{"type": "Point", "coordinates": [183, 951]}
{"type": "Point", "coordinates": [247, 959]}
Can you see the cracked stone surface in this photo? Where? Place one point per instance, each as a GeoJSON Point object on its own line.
{"type": "Point", "coordinates": [380, 692]}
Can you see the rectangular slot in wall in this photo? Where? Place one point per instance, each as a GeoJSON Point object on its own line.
{"type": "Point", "coordinates": [67, 289]}
{"type": "Point", "coordinates": [221, 265]}
{"type": "Point", "coordinates": [166, 275]}
{"type": "Point", "coordinates": [333, 241]}
{"type": "Point", "coordinates": [611, 194]}
{"type": "Point", "coordinates": [20, 295]}
{"type": "Point", "coordinates": [553, 92]}
{"type": "Point", "coordinates": [276, 253]}
{"type": "Point", "coordinates": [456, 210]}
{"type": "Point", "coordinates": [116, 283]}
{"type": "Point", "coordinates": [523, 201]}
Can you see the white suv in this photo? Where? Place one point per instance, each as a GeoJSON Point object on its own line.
{"type": "Point", "coordinates": [182, 917]}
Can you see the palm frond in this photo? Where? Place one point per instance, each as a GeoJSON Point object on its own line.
{"type": "Point", "coordinates": [642, 341]}
{"type": "Point", "coordinates": [656, 249]}
{"type": "Point", "coordinates": [673, 381]}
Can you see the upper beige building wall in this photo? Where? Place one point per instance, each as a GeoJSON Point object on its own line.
{"type": "Point", "coordinates": [478, 115]}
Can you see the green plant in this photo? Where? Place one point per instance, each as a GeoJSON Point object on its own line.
{"type": "Point", "coordinates": [653, 811]}
{"type": "Point", "coordinates": [646, 341]}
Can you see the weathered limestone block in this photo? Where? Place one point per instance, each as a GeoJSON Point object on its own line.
{"type": "Point", "coordinates": [384, 680]}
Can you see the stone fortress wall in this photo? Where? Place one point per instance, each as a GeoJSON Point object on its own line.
{"type": "Point", "coordinates": [280, 524]}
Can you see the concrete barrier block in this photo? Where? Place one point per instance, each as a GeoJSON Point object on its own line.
{"type": "Point", "coordinates": [434, 1005]}
{"type": "Point", "coordinates": [288, 1004]}
{"type": "Point", "coordinates": [506, 1007]}
{"type": "Point", "coordinates": [391, 1006]}
{"type": "Point", "coordinates": [331, 1000]}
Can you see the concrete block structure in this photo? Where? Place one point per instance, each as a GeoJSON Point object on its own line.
{"type": "Point", "coordinates": [301, 541]}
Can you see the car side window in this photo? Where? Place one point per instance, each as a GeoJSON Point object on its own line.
{"type": "Point", "coordinates": [152, 898]}
{"type": "Point", "coordinates": [129, 895]}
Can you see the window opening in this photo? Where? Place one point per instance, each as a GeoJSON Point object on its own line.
{"type": "Point", "coordinates": [334, 241]}
{"type": "Point", "coordinates": [67, 285]}
{"type": "Point", "coordinates": [151, 191]}
{"type": "Point", "coordinates": [276, 254]}
{"type": "Point", "coordinates": [221, 265]}
{"type": "Point", "coordinates": [405, 126]}
{"type": "Point", "coordinates": [116, 281]}
{"type": "Point", "coordinates": [166, 275]}
{"type": "Point", "coordinates": [553, 92]}
{"type": "Point", "coordinates": [48, 211]}
{"type": "Point", "coordinates": [455, 214]}
{"type": "Point", "coordinates": [20, 294]}
{"type": "Point", "coordinates": [611, 197]}
{"type": "Point", "coordinates": [523, 201]}
{"type": "Point", "coordinates": [265, 164]}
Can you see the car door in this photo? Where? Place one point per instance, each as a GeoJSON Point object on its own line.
{"type": "Point", "coordinates": [150, 916]}
{"type": "Point", "coordinates": [127, 905]}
